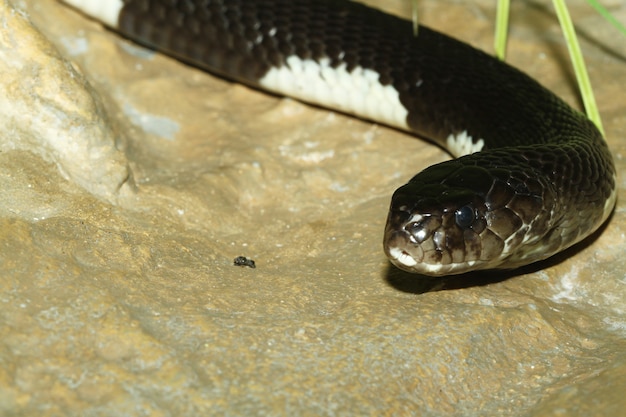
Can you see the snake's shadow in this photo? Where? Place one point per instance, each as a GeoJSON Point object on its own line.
{"type": "Point", "coordinates": [420, 284]}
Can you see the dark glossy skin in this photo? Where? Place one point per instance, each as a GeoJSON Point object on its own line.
{"type": "Point", "coordinates": [544, 179]}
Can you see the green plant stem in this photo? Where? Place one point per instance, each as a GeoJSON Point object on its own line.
{"type": "Point", "coordinates": [502, 28]}
{"type": "Point", "coordinates": [415, 17]}
{"type": "Point", "coordinates": [578, 63]}
{"type": "Point", "coordinates": [607, 16]}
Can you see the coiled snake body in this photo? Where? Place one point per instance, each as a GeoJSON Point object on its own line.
{"type": "Point", "coordinates": [532, 177]}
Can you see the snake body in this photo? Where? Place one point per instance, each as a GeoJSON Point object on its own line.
{"type": "Point", "coordinates": [532, 176]}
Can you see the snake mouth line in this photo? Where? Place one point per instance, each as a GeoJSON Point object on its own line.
{"type": "Point", "coordinates": [396, 247]}
{"type": "Point", "coordinates": [406, 258]}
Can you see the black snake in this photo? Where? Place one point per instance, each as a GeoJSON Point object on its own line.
{"type": "Point", "coordinates": [532, 176]}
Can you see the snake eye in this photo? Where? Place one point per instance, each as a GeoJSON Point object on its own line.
{"type": "Point", "coordinates": [464, 217]}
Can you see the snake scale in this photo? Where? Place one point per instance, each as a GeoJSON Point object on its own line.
{"type": "Point", "coordinates": [532, 176]}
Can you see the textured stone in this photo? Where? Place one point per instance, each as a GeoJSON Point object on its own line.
{"type": "Point", "coordinates": [118, 295]}
{"type": "Point", "coordinates": [46, 107]}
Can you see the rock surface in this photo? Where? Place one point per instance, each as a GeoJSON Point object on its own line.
{"type": "Point", "coordinates": [129, 182]}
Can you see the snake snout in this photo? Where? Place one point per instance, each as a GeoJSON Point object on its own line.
{"type": "Point", "coordinates": [401, 251]}
{"type": "Point", "coordinates": [409, 239]}
{"type": "Point", "coordinates": [438, 234]}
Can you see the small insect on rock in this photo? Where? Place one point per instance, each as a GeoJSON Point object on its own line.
{"type": "Point", "coordinates": [243, 261]}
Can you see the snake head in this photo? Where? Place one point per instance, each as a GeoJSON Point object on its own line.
{"type": "Point", "coordinates": [444, 223]}
{"type": "Point", "coordinates": [437, 235]}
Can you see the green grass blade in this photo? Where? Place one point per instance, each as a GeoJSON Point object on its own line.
{"type": "Point", "coordinates": [415, 17]}
{"type": "Point", "coordinates": [502, 28]}
{"type": "Point", "coordinates": [607, 16]}
{"type": "Point", "coordinates": [578, 62]}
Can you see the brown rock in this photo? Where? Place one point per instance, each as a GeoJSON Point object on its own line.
{"type": "Point", "coordinates": [123, 300]}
